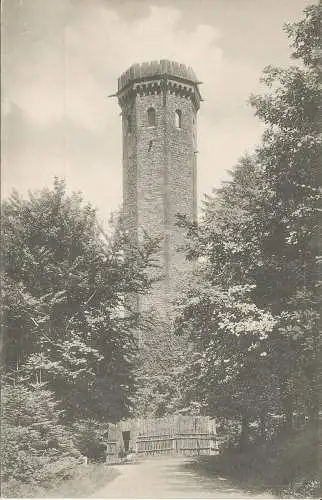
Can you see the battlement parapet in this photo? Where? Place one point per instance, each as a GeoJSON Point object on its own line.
{"type": "Point", "coordinates": [156, 69]}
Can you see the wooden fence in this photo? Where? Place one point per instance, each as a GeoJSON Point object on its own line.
{"type": "Point", "coordinates": [183, 435]}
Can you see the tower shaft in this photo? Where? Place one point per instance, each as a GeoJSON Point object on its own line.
{"type": "Point", "coordinates": [159, 104]}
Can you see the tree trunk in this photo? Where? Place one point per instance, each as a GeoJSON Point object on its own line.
{"type": "Point", "coordinates": [287, 401]}
{"type": "Point", "coordinates": [263, 427]}
{"type": "Point", "coordinates": [314, 406]}
{"type": "Point", "coordinates": [244, 436]}
{"type": "Point", "coordinates": [288, 407]}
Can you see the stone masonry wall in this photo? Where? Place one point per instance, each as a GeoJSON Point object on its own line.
{"type": "Point", "coordinates": [159, 177]}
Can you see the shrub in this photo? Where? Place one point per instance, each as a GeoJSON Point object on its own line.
{"type": "Point", "coordinates": [37, 448]}
{"type": "Point", "coordinates": [90, 439]}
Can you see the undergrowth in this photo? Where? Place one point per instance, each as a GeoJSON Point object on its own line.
{"type": "Point", "coordinates": [288, 466]}
{"type": "Point", "coordinates": [83, 481]}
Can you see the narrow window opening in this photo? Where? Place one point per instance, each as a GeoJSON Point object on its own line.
{"type": "Point", "coordinates": [129, 124]}
{"type": "Point", "coordinates": [178, 118]}
{"type": "Point", "coordinates": [151, 117]}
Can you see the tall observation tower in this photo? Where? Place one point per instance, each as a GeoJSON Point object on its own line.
{"type": "Point", "coordinates": [159, 102]}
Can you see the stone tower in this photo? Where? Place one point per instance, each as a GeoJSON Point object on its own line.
{"type": "Point", "coordinates": [159, 102]}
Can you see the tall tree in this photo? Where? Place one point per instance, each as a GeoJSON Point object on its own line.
{"type": "Point", "coordinates": [290, 154]}
{"type": "Point", "coordinates": [260, 236]}
{"type": "Point", "coordinates": [66, 319]}
{"type": "Point", "coordinates": [230, 333]}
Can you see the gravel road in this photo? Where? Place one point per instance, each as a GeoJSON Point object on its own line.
{"type": "Point", "coordinates": [168, 477]}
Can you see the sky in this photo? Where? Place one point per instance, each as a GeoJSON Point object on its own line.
{"type": "Point", "coordinates": [61, 60]}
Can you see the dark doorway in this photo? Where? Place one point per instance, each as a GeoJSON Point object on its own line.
{"type": "Point", "coordinates": [126, 440]}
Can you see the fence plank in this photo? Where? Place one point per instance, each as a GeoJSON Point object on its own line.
{"type": "Point", "coordinates": [177, 434]}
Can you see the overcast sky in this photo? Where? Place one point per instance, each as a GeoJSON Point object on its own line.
{"type": "Point", "coordinates": [62, 59]}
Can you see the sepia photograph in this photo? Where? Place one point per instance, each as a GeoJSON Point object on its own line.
{"type": "Point", "coordinates": [161, 249]}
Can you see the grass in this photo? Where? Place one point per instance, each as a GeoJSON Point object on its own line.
{"type": "Point", "coordinates": [289, 466]}
{"type": "Point", "coordinates": [85, 480]}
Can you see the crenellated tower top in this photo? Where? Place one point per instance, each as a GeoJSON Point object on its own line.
{"type": "Point", "coordinates": [153, 77]}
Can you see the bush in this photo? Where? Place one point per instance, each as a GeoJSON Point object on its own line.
{"type": "Point", "coordinates": [37, 447]}
{"type": "Point", "coordinates": [287, 465]}
{"type": "Point", "coordinates": [90, 439]}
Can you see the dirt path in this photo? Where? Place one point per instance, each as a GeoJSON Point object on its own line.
{"type": "Point", "coordinates": [168, 478]}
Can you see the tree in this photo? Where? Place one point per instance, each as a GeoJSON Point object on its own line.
{"type": "Point", "coordinates": [89, 437]}
{"type": "Point", "coordinates": [230, 375]}
{"type": "Point", "coordinates": [37, 447]}
{"type": "Point", "coordinates": [260, 236]}
{"type": "Point", "coordinates": [66, 319]}
{"type": "Point", "coordinates": [162, 357]}
{"type": "Point", "coordinates": [290, 154]}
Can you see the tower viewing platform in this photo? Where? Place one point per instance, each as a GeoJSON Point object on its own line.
{"type": "Point", "coordinates": [157, 75]}
{"type": "Point", "coordinates": [157, 69]}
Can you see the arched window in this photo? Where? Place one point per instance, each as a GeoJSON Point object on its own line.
{"type": "Point", "coordinates": [178, 118]}
{"type": "Point", "coordinates": [151, 117]}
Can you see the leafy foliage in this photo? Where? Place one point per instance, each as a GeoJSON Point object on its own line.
{"type": "Point", "coordinates": [253, 311]}
{"type": "Point", "coordinates": [37, 447]}
{"type": "Point", "coordinates": [69, 333]}
{"type": "Point", "coordinates": [162, 357]}
{"type": "Point", "coordinates": [66, 319]}
{"type": "Point", "coordinates": [90, 439]}
{"type": "Point", "coordinates": [232, 341]}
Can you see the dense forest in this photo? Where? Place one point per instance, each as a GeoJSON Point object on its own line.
{"type": "Point", "coordinates": [253, 307]}
{"type": "Point", "coordinates": [70, 352]}
{"type": "Point", "coordinates": [250, 313]}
